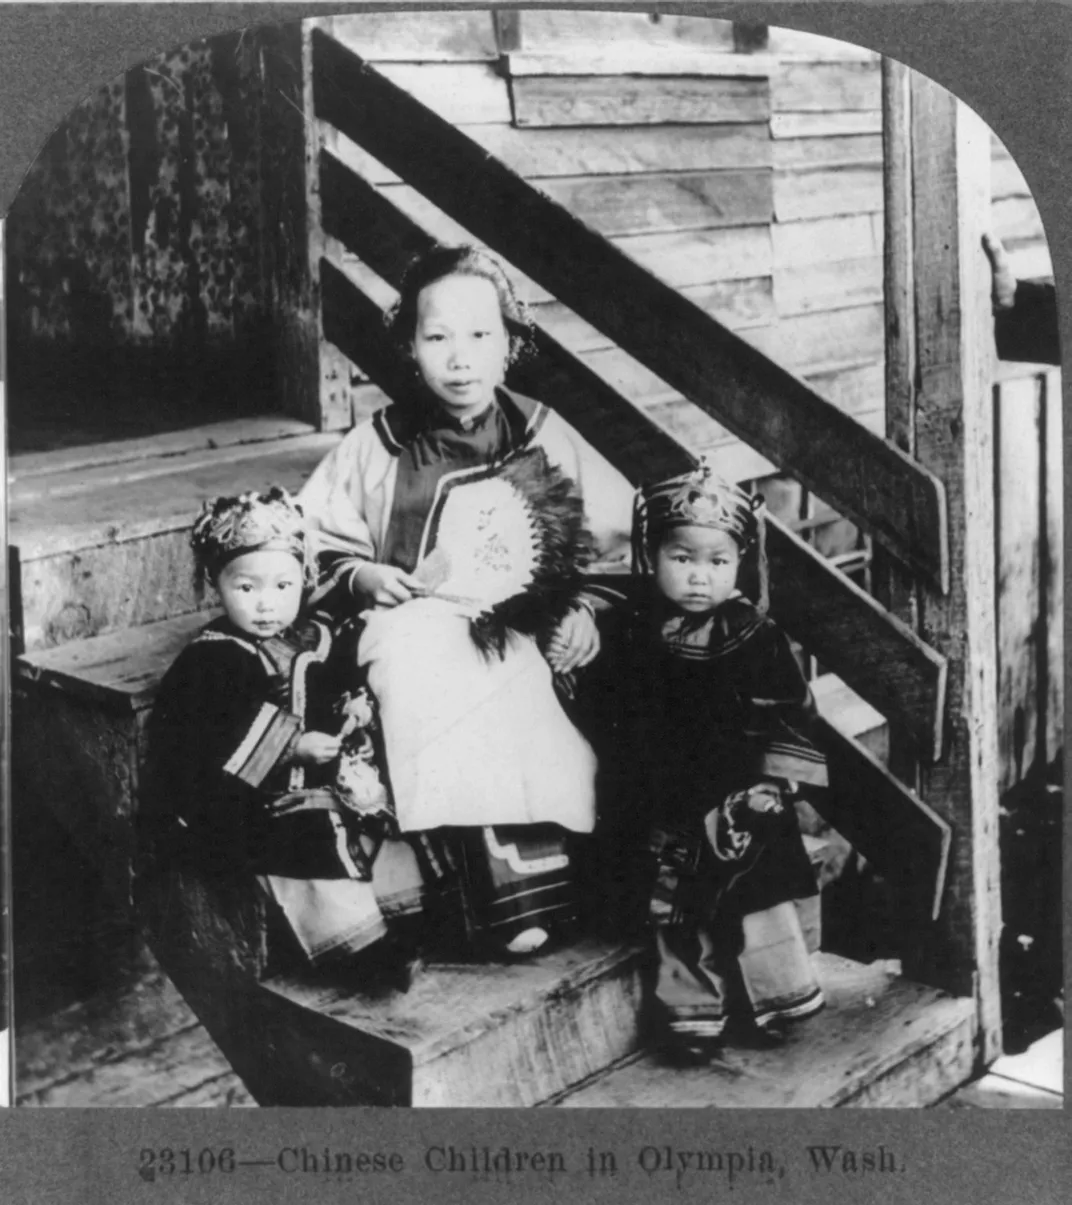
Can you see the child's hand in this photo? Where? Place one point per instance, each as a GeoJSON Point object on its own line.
{"type": "Point", "coordinates": [576, 642]}
{"type": "Point", "coordinates": [317, 748]}
{"type": "Point", "coordinates": [387, 585]}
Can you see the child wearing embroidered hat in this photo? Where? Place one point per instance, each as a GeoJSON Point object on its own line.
{"type": "Point", "coordinates": [711, 723]}
{"type": "Point", "coordinates": [244, 742]}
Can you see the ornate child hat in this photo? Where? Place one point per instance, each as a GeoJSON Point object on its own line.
{"type": "Point", "coordinates": [699, 498]}
{"type": "Point", "coordinates": [229, 526]}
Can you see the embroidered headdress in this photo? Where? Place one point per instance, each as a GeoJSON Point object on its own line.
{"type": "Point", "coordinates": [227, 527]}
{"type": "Point", "coordinates": [699, 498]}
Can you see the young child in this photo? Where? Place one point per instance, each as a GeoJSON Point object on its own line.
{"type": "Point", "coordinates": [244, 742]}
{"type": "Point", "coordinates": [712, 716]}
{"type": "Point", "coordinates": [487, 772]}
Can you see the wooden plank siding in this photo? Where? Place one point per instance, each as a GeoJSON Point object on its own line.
{"type": "Point", "coordinates": [1028, 521]}
{"type": "Point", "coordinates": [941, 339]}
{"type": "Point", "coordinates": [600, 100]}
{"type": "Point", "coordinates": [690, 198]}
{"type": "Point", "coordinates": [658, 323]}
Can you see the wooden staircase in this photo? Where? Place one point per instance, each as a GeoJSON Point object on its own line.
{"type": "Point", "coordinates": [107, 602]}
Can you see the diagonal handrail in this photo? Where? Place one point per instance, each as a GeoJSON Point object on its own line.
{"type": "Point", "coordinates": [864, 477]}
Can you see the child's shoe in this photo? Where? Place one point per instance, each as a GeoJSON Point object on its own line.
{"type": "Point", "coordinates": [690, 1043]}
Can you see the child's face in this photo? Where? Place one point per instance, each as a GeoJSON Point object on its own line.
{"type": "Point", "coordinates": [261, 592]}
{"type": "Point", "coordinates": [460, 342]}
{"type": "Point", "coordinates": [696, 568]}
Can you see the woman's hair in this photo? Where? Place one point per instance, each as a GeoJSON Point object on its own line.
{"type": "Point", "coordinates": [442, 261]}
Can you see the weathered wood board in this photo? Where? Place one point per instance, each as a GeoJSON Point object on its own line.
{"type": "Point", "coordinates": [672, 202]}
{"type": "Point", "coordinates": [828, 286]}
{"type": "Point", "coordinates": [91, 507]}
{"type": "Point", "coordinates": [107, 587]}
{"type": "Point", "coordinates": [552, 29]}
{"type": "Point", "coordinates": [826, 125]}
{"type": "Point", "coordinates": [1020, 626]}
{"type": "Point", "coordinates": [560, 100]}
{"type": "Point", "coordinates": [826, 87]}
{"type": "Point", "coordinates": [449, 37]}
{"type": "Point", "coordinates": [881, 1042]}
{"type": "Point", "coordinates": [826, 240]}
{"type": "Point", "coordinates": [228, 434]}
{"type": "Point", "coordinates": [1028, 520]}
{"type": "Point", "coordinates": [86, 704]}
{"type": "Point", "coordinates": [820, 342]}
{"type": "Point", "coordinates": [463, 93]}
{"type": "Point", "coordinates": [79, 760]}
{"type": "Point", "coordinates": [700, 257]}
{"type": "Point", "coordinates": [633, 59]}
{"type": "Point", "coordinates": [120, 671]}
{"type": "Point", "coordinates": [105, 545]}
{"type": "Point", "coordinates": [827, 191]}
{"type": "Point", "coordinates": [465, 1035]}
{"type": "Point", "coordinates": [826, 152]}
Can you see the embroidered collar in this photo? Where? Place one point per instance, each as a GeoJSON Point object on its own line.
{"type": "Point", "coordinates": [705, 637]}
{"type": "Point", "coordinates": [403, 422]}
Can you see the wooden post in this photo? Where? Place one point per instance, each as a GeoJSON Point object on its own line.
{"type": "Point", "coordinates": [941, 358]}
{"type": "Point", "coordinates": [894, 586]}
{"type": "Point", "coordinates": [289, 154]}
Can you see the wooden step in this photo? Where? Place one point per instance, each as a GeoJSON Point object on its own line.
{"type": "Point", "coordinates": [79, 714]}
{"type": "Point", "coordinates": [882, 1041]}
{"type": "Point", "coordinates": [463, 1035]}
{"type": "Point", "coordinates": [102, 533]}
{"type": "Point", "coordinates": [852, 716]}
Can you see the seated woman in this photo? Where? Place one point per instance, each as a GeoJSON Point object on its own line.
{"type": "Point", "coordinates": [424, 518]}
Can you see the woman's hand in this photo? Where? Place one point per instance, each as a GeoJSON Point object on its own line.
{"type": "Point", "coordinates": [317, 748]}
{"type": "Point", "coordinates": [386, 585]}
{"type": "Point", "coordinates": [576, 642]}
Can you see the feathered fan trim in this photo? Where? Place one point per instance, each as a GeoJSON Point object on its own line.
{"type": "Point", "coordinates": [565, 548]}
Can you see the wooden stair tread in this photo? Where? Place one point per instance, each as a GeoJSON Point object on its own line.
{"type": "Point", "coordinates": [86, 508]}
{"type": "Point", "coordinates": [450, 1005]}
{"type": "Point", "coordinates": [485, 1036]}
{"type": "Point", "coordinates": [227, 434]}
{"type": "Point", "coordinates": [843, 708]}
{"type": "Point", "coordinates": [121, 669]}
{"type": "Point", "coordinates": [882, 1040]}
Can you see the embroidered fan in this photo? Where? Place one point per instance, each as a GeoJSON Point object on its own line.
{"type": "Point", "coordinates": [510, 549]}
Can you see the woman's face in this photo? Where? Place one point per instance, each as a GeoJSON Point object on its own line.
{"type": "Point", "coordinates": [460, 343]}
